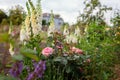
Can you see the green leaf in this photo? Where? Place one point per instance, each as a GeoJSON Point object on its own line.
{"type": "Point", "coordinates": [62, 60]}
{"type": "Point", "coordinates": [68, 69]}
{"type": "Point", "coordinates": [18, 57]}
{"type": "Point", "coordinates": [4, 37]}
{"type": "Point", "coordinates": [6, 78]}
{"type": "Point", "coordinates": [29, 53]}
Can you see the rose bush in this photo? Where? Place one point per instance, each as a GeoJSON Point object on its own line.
{"type": "Point", "coordinates": [47, 51]}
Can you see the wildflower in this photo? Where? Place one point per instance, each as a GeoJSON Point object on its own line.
{"type": "Point", "coordinates": [47, 51]}
{"type": "Point", "coordinates": [38, 71]}
{"type": "Point", "coordinates": [40, 68]}
{"type": "Point", "coordinates": [31, 76]}
{"type": "Point", "coordinates": [16, 69]}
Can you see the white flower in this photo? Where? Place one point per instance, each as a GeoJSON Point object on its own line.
{"type": "Point", "coordinates": [74, 38]}
{"type": "Point", "coordinates": [66, 31]}
{"type": "Point", "coordinates": [77, 31]}
{"type": "Point", "coordinates": [68, 39]}
{"type": "Point", "coordinates": [23, 34]}
{"type": "Point", "coordinates": [71, 38]}
{"type": "Point", "coordinates": [27, 25]}
{"type": "Point", "coordinates": [51, 28]}
{"type": "Point", "coordinates": [11, 50]}
{"type": "Point", "coordinates": [86, 29]}
{"type": "Point", "coordinates": [35, 27]}
{"type": "Point", "coordinates": [39, 14]}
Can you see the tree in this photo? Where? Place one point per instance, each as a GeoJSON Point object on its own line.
{"type": "Point", "coordinates": [116, 19]}
{"type": "Point", "coordinates": [93, 12]}
{"type": "Point", "coordinates": [16, 15]}
{"type": "Point", "coordinates": [3, 15]}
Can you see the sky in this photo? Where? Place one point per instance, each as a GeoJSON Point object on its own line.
{"type": "Point", "coordinates": [68, 9]}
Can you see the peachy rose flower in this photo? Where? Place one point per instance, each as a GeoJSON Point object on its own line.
{"type": "Point", "coordinates": [79, 51]}
{"type": "Point", "coordinates": [76, 50]}
{"type": "Point", "coordinates": [47, 51]}
{"type": "Point", "coordinates": [73, 49]}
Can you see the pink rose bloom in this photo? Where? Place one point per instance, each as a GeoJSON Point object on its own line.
{"type": "Point", "coordinates": [73, 49]}
{"type": "Point", "coordinates": [76, 50]}
{"type": "Point", "coordinates": [47, 51]}
{"type": "Point", "coordinates": [79, 51]}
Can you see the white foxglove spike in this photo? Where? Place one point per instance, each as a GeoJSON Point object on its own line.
{"type": "Point", "coordinates": [51, 28]}
{"type": "Point", "coordinates": [68, 39]}
{"type": "Point", "coordinates": [74, 38]}
{"type": "Point", "coordinates": [77, 31]}
{"type": "Point", "coordinates": [11, 50]}
{"type": "Point", "coordinates": [35, 27]}
{"type": "Point", "coordinates": [66, 31]}
{"type": "Point", "coordinates": [27, 25]}
{"type": "Point", "coordinates": [71, 38]}
{"type": "Point", "coordinates": [39, 14]}
{"type": "Point", "coordinates": [23, 34]}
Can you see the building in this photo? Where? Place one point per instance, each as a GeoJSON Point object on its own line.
{"type": "Point", "coordinates": [57, 20]}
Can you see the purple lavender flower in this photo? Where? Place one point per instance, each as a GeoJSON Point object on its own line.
{"type": "Point", "coordinates": [28, 69]}
{"type": "Point", "coordinates": [31, 76]}
{"type": "Point", "coordinates": [34, 63]}
{"type": "Point", "coordinates": [16, 69]}
{"type": "Point", "coordinates": [38, 72]}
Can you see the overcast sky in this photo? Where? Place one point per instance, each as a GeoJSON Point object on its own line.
{"type": "Point", "coordinates": [68, 9]}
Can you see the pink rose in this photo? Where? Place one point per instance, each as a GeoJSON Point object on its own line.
{"type": "Point", "coordinates": [73, 49]}
{"type": "Point", "coordinates": [76, 50]}
{"type": "Point", "coordinates": [47, 51]}
{"type": "Point", "coordinates": [79, 51]}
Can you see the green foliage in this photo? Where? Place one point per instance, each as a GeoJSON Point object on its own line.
{"type": "Point", "coordinates": [28, 8]}
{"type": "Point", "coordinates": [29, 53]}
{"type": "Point", "coordinates": [6, 78]}
{"type": "Point", "coordinates": [18, 57]}
{"type": "Point", "coordinates": [116, 19]}
{"type": "Point", "coordinates": [16, 15]}
{"type": "Point", "coordinates": [90, 7]}
{"type": "Point", "coordinates": [3, 15]}
{"type": "Point", "coordinates": [4, 37]}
